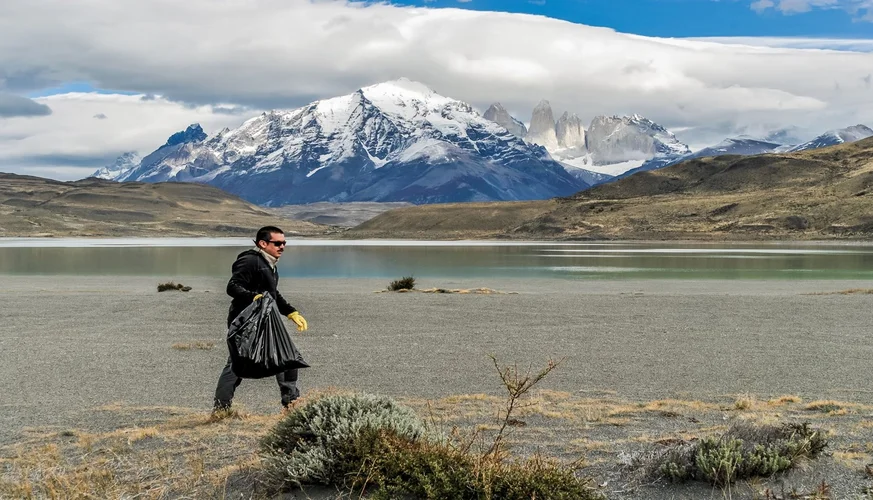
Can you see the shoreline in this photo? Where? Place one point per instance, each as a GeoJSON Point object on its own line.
{"type": "Point", "coordinates": [182, 240]}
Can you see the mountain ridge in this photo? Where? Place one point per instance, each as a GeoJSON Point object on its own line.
{"type": "Point", "coordinates": [394, 141]}
{"type": "Point", "coordinates": [824, 193]}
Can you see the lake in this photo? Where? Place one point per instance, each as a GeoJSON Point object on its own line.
{"type": "Point", "coordinates": [392, 259]}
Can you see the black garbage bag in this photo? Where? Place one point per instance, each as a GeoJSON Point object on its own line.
{"type": "Point", "coordinates": [259, 343]}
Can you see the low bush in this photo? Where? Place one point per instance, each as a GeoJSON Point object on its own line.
{"type": "Point", "coordinates": [443, 470]}
{"type": "Point", "coordinates": [745, 451]}
{"type": "Point", "coordinates": [367, 443]}
{"type": "Point", "coordinates": [163, 287]}
{"type": "Point", "coordinates": [404, 283]}
{"type": "Point", "coordinates": [325, 441]}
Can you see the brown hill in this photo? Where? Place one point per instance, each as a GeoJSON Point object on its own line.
{"type": "Point", "coordinates": [824, 193]}
{"type": "Point", "coordinates": [33, 206]}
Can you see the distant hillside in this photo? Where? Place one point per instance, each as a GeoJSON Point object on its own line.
{"type": "Point", "coordinates": [32, 206]}
{"type": "Point", "coordinates": [452, 220]}
{"type": "Point", "coordinates": [341, 215]}
{"type": "Point", "coordinates": [818, 194]}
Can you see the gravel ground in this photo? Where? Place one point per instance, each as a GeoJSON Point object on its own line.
{"type": "Point", "coordinates": [72, 345]}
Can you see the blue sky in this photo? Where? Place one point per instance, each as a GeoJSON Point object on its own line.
{"type": "Point", "coordinates": [693, 18]}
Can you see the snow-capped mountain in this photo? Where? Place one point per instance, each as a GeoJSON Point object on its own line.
{"type": "Point", "coordinates": [784, 136]}
{"type": "Point", "coordinates": [744, 146]}
{"type": "Point", "coordinates": [749, 146]}
{"type": "Point", "coordinates": [834, 137]}
{"type": "Point", "coordinates": [170, 161]}
{"type": "Point", "coordinates": [395, 141]}
{"type": "Point", "coordinates": [122, 165]}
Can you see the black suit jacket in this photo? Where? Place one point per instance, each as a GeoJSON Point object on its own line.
{"type": "Point", "coordinates": [252, 275]}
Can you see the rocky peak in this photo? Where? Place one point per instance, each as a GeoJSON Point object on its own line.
{"type": "Point", "coordinates": [570, 131]}
{"type": "Point", "coordinates": [499, 115]}
{"type": "Point", "coordinates": [615, 139]}
{"type": "Point", "coordinates": [194, 133]}
{"type": "Point", "coordinates": [542, 127]}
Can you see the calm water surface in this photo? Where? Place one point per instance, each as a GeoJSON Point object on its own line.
{"type": "Point", "coordinates": [388, 259]}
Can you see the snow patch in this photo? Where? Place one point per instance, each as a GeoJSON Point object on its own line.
{"type": "Point", "coordinates": [613, 169]}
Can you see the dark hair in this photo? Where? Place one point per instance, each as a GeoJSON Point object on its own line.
{"type": "Point", "coordinates": [265, 232]}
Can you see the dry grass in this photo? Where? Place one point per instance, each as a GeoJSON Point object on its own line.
{"type": "Point", "coordinates": [192, 455]}
{"type": "Point", "coordinates": [745, 402]}
{"type": "Point", "coordinates": [183, 453]}
{"type": "Point", "coordinates": [830, 407]}
{"type": "Point", "coordinates": [196, 345]}
{"type": "Point", "coordinates": [852, 459]}
{"type": "Point", "coordinates": [783, 400]}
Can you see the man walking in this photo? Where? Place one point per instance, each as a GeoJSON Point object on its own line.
{"type": "Point", "coordinates": [255, 273]}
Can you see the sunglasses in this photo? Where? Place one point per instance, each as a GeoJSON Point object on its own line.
{"type": "Point", "coordinates": [278, 243]}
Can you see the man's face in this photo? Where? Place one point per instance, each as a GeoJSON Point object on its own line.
{"type": "Point", "coordinates": [275, 246]}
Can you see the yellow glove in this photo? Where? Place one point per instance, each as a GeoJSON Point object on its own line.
{"type": "Point", "coordinates": [298, 320]}
{"type": "Point", "coordinates": [258, 296]}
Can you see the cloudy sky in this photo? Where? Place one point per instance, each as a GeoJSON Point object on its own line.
{"type": "Point", "coordinates": [82, 81]}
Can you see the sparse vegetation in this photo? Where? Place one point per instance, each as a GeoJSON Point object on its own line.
{"type": "Point", "coordinates": [404, 283]}
{"type": "Point", "coordinates": [186, 453]}
{"type": "Point", "coordinates": [744, 451]}
{"type": "Point", "coordinates": [163, 287]}
{"type": "Point", "coordinates": [369, 444]}
{"type": "Point", "coordinates": [825, 406]}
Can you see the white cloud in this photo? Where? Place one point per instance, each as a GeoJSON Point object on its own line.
{"type": "Point", "coordinates": [258, 54]}
{"type": "Point", "coordinates": [70, 143]}
{"type": "Point", "coordinates": [762, 5]}
{"type": "Point", "coordinates": [862, 9]}
{"type": "Point", "coordinates": [840, 44]}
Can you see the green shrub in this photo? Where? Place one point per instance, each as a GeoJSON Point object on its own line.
{"type": "Point", "coordinates": [326, 440]}
{"type": "Point", "coordinates": [677, 464]}
{"type": "Point", "coordinates": [441, 470]}
{"type": "Point", "coordinates": [404, 283]}
{"type": "Point", "coordinates": [367, 443]}
{"type": "Point", "coordinates": [718, 460]}
{"type": "Point", "coordinates": [743, 452]}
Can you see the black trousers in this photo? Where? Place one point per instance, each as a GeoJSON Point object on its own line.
{"type": "Point", "coordinates": [228, 382]}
